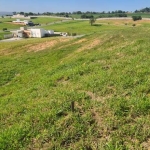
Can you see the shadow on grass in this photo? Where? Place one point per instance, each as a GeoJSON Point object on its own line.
{"type": "Point", "coordinates": [97, 25]}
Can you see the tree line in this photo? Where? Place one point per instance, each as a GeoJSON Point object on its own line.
{"type": "Point", "coordinates": [87, 14]}
{"type": "Point", "coordinates": [144, 10]}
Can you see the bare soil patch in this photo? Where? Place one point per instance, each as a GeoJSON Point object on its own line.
{"type": "Point", "coordinates": [77, 42]}
{"type": "Point", "coordinates": [47, 44]}
{"type": "Point", "coordinates": [90, 45]}
{"type": "Point", "coordinates": [146, 144]}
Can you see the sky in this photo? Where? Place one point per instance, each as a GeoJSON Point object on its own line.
{"type": "Point", "coordinates": [71, 5]}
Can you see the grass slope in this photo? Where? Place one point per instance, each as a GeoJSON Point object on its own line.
{"type": "Point", "coordinates": [106, 73]}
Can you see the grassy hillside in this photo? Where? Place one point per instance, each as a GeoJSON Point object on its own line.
{"type": "Point", "coordinates": [106, 73]}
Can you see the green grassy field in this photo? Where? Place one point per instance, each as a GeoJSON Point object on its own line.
{"type": "Point", "coordinates": [81, 27]}
{"type": "Point", "coordinates": [106, 73]}
{"type": "Point", "coordinates": [9, 26]}
{"type": "Point", "coordinates": [45, 20]}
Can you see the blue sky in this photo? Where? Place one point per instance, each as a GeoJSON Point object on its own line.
{"type": "Point", "coordinates": [71, 5]}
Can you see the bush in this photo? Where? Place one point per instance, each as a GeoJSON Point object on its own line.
{"type": "Point", "coordinates": [133, 25]}
{"type": "Point", "coordinates": [85, 16]}
{"type": "Point", "coordinates": [136, 18]}
{"type": "Point", "coordinates": [4, 29]}
{"type": "Point", "coordinates": [74, 34]}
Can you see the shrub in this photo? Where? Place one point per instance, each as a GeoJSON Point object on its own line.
{"type": "Point", "coordinates": [74, 34]}
{"type": "Point", "coordinates": [4, 29]}
{"type": "Point", "coordinates": [136, 18]}
{"type": "Point", "coordinates": [134, 25]}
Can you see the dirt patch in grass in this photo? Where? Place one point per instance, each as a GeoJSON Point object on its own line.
{"type": "Point", "coordinates": [6, 52]}
{"type": "Point", "coordinates": [94, 97]}
{"type": "Point", "coordinates": [104, 129]}
{"type": "Point", "coordinates": [70, 44]}
{"type": "Point", "coordinates": [90, 45]}
{"type": "Point", "coordinates": [47, 44]}
{"type": "Point", "coordinates": [80, 41]}
{"type": "Point", "coordinates": [146, 145]}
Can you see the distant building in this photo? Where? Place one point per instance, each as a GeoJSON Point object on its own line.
{"type": "Point", "coordinates": [22, 16]}
{"type": "Point", "coordinates": [24, 22]}
{"type": "Point", "coordinates": [18, 16]}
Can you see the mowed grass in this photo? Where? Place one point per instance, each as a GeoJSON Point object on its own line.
{"type": "Point", "coordinates": [105, 73]}
{"type": "Point", "coordinates": [80, 27]}
{"type": "Point", "coordinates": [46, 20]}
{"type": "Point", "coordinates": [9, 26]}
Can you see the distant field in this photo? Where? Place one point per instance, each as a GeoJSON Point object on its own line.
{"type": "Point", "coordinates": [83, 27]}
{"type": "Point", "coordinates": [6, 19]}
{"type": "Point", "coordinates": [9, 26]}
{"type": "Point", "coordinates": [79, 27]}
{"type": "Point", "coordinates": [45, 20]}
{"type": "Point", "coordinates": [106, 73]}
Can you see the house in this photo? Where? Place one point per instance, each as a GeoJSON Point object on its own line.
{"type": "Point", "coordinates": [18, 16]}
{"type": "Point", "coordinates": [24, 22]}
{"type": "Point", "coordinates": [29, 33]}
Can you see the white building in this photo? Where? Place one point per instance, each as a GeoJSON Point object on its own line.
{"type": "Point", "coordinates": [20, 16]}
{"type": "Point", "coordinates": [37, 32]}
{"type": "Point", "coordinates": [24, 22]}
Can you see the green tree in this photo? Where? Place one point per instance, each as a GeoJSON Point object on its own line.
{"type": "Point", "coordinates": [136, 18]}
{"type": "Point", "coordinates": [92, 20]}
{"type": "Point", "coordinates": [21, 13]}
{"type": "Point", "coordinates": [14, 13]}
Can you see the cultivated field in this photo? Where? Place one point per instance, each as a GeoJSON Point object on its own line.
{"type": "Point", "coordinates": [106, 73]}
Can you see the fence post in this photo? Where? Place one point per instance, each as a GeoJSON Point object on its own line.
{"type": "Point", "coordinates": [72, 106]}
